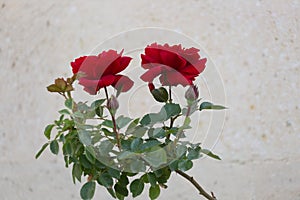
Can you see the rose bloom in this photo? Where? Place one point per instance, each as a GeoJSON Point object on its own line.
{"type": "Point", "coordinates": [173, 64]}
{"type": "Point", "coordinates": [96, 72]}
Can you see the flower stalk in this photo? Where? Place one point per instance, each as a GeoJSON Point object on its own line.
{"type": "Point", "coordinates": [113, 105]}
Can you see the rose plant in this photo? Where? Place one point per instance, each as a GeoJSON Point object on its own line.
{"type": "Point", "coordinates": [115, 151]}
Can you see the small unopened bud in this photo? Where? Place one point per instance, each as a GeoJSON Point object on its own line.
{"type": "Point", "coordinates": [112, 104]}
{"type": "Point", "coordinates": [192, 93]}
{"type": "Point", "coordinates": [151, 86]}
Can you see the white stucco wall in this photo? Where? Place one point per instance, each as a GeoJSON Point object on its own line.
{"type": "Point", "coordinates": [254, 44]}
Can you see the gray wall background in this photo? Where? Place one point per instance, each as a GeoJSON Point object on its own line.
{"type": "Point", "coordinates": [254, 44]}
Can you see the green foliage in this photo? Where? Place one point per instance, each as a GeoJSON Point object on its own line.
{"type": "Point", "coordinates": [54, 147]}
{"type": "Point", "coordinates": [88, 190]}
{"type": "Point", "coordinates": [148, 146]}
{"type": "Point", "coordinates": [160, 94]}
{"type": "Point", "coordinates": [210, 106]}
{"type": "Point", "coordinates": [154, 192]}
{"type": "Point", "coordinates": [48, 130]}
{"type": "Point", "coordinates": [136, 187]}
{"type": "Point", "coordinates": [41, 150]}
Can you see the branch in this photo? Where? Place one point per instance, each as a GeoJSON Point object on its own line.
{"type": "Point", "coordinates": [196, 184]}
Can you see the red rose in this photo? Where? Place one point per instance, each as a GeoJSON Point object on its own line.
{"type": "Point", "coordinates": [102, 71]}
{"type": "Point", "coordinates": [175, 65]}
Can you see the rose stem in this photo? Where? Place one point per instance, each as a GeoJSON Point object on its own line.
{"type": "Point", "coordinates": [106, 93]}
{"type": "Point", "coordinates": [170, 93]}
{"type": "Point", "coordinates": [114, 122]}
{"type": "Point", "coordinates": [196, 184]}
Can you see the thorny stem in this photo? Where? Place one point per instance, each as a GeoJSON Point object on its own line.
{"type": "Point", "coordinates": [114, 122]}
{"type": "Point", "coordinates": [196, 184]}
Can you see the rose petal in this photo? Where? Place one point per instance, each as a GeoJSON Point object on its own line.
{"type": "Point", "coordinates": [200, 65]}
{"type": "Point", "coordinates": [171, 59]}
{"type": "Point", "coordinates": [148, 60]}
{"type": "Point", "coordinates": [119, 65]}
{"type": "Point", "coordinates": [174, 78]}
{"type": "Point", "coordinates": [77, 63]}
{"type": "Point", "coordinates": [122, 82]}
{"type": "Point", "coordinates": [149, 75]}
{"type": "Point", "coordinates": [153, 52]}
{"type": "Point", "coordinates": [93, 86]}
{"type": "Point", "coordinates": [88, 67]}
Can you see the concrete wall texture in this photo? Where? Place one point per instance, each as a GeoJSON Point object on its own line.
{"type": "Point", "coordinates": [254, 44]}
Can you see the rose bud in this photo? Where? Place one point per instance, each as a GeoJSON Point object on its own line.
{"type": "Point", "coordinates": [151, 86]}
{"type": "Point", "coordinates": [192, 93]}
{"type": "Point", "coordinates": [113, 104]}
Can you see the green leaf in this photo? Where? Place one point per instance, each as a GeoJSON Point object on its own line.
{"type": "Point", "coordinates": [97, 103]}
{"type": "Point", "coordinates": [157, 133]}
{"type": "Point", "coordinates": [69, 103]}
{"type": "Point", "coordinates": [193, 154]}
{"type": "Point", "coordinates": [106, 180]}
{"type": "Point", "coordinates": [164, 176]}
{"type": "Point", "coordinates": [126, 155]}
{"type": "Point", "coordinates": [85, 162]}
{"type": "Point", "coordinates": [185, 165]}
{"type": "Point", "coordinates": [90, 154]}
{"type": "Point", "coordinates": [67, 162]}
{"type": "Point", "coordinates": [149, 144]}
{"type": "Point", "coordinates": [41, 150]}
{"type": "Point", "coordinates": [136, 187]}
{"type": "Point", "coordinates": [154, 192]}
{"type": "Point", "coordinates": [133, 124]}
{"type": "Point", "coordinates": [151, 178]}
{"type": "Point", "coordinates": [144, 178]}
{"type": "Point", "coordinates": [173, 165]}
{"type": "Point", "coordinates": [210, 106]}
{"type": "Point", "coordinates": [135, 144]}
{"type": "Point", "coordinates": [67, 149]}
{"type": "Point", "coordinates": [156, 158]}
{"type": "Point", "coordinates": [108, 123]}
{"type": "Point", "coordinates": [88, 190]}
{"type": "Point", "coordinates": [137, 165]}
{"type": "Point", "coordinates": [122, 121]}
{"type": "Point", "coordinates": [64, 112]}
{"type": "Point", "coordinates": [170, 110]}
{"type": "Point", "coordinates": [48, 130]}
{"type": "Point", "coordinates": [99, 111]}
{"type": "Point", "coordinates": [96, 106]}
{"type": "Point", "coordinates": [151, 119]}
{"type": "Point", "coordinates": [119, 188]}
{"type": "Point", "coordinates": [138, 131]}
{"type": "Point", "coordinates": [114, 173]}
{"type": "Point", "coordinates": [85, 137]}
{"type": "Point", "coordinates": [76, 172]}
{"type": "Point", "coordinates": [78, 114]}
{"type": "Point", "coordinates": [210, 154]}
{"type": "Point", "coordinates": [105, 147]}
{"type": "Point", "coordinates": [123, 180]}
{"type": "Point", "coordinates": [54, 147]}
{"type": "Point", "coordinates": [160, 94]}
{"type": "Point", "coordinates": [119, 196]}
